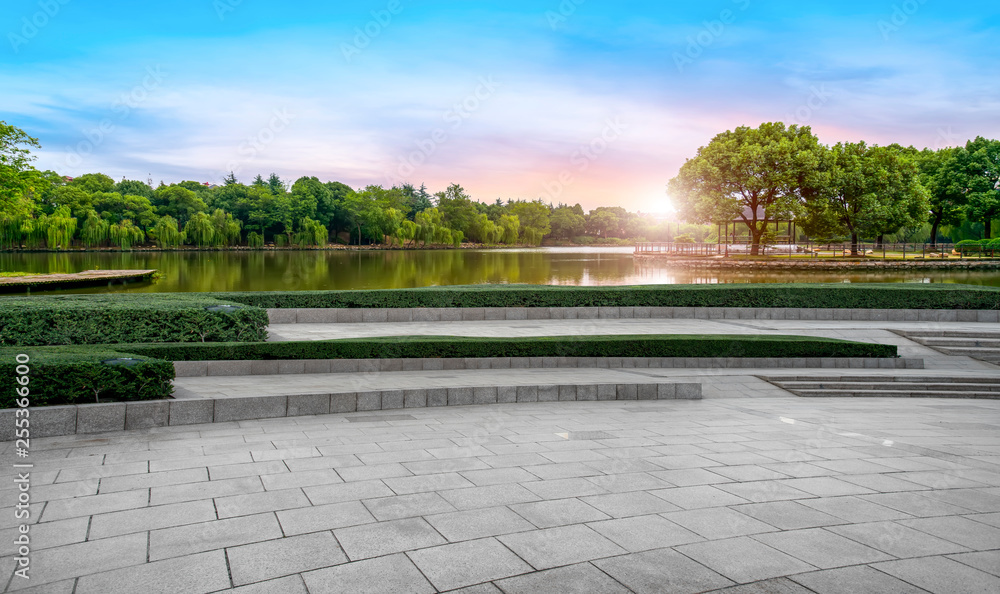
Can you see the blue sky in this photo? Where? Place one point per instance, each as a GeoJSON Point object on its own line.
{"type": "Point", "coordinates": [586, 101]}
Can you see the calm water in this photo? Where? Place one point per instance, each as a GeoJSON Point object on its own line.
{"type": "Point", "coordinates": [317, 270]}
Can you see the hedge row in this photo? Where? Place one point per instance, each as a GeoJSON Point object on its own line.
{"type": "Point", "coordinates": [72, 375]}
{"type": "Point", "coordinates": [840, 295]}
{"type": "Point", "coordinates": [976, 246]}
{"type": "Point", "coordinates": [415, 347]}
{"type": "Point", "coordinates": [115, 319]}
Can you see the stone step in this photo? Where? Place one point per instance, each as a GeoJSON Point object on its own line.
{"type": "Point", "coordinates": [990, 343]}
{"type": "Point", "coordinates": [952, 334]}
{"type": "Point", "coordinates": [891, 386]}
{"type": "Point", "coordinates": [893, 394]}
{"type": "Point", "coordinates": [870, 379]}
{"type": "Point", "coordinates": [984, 354]}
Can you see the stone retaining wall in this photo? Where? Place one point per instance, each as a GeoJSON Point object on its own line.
{"type": "Point", "coordinates": [457, 314]}
{"type": "Point", "coordinates": [271, 367]}
{"type": "Point", "coordinates": [52, 421]}
{"type": "Point", "coordinates": [776, 263]}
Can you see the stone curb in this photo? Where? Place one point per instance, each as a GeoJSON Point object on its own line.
{"type": "Point", "coordinates": [300, 366]}
{"type": "Point", "coordinates": [52, 421]}
{"type": "Point", "coordinates": [444, 314]}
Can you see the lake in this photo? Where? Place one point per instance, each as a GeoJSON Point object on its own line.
{"type": "Point", "coordinates": [343, 269]}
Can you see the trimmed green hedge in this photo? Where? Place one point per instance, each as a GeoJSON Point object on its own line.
{"type": "Point", "coordinates": [839, 295]}
{"type": "Point", "coordinates": [415, 347]}
{"type": "Point", "coordinates": [75, 375]}
{"type": "Point", "coordinates": [114, 319]}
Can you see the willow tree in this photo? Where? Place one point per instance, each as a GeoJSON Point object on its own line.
{"type": "Point", "coordinates": [200, 229]}
{"type": "Point", "coordinates": [227, 229]}
{"type": "Point", "coordinates": [125, 234]}
{"type": "Point", "coordinates": [167, 233]}
{"type": "Point", "coordinates": [95, 230]}
{"type": "Point", "coordinates": [59, 228]}
{"type": "Point", "coordinates": [756, 176]}
{"type": "Point", "coordinates": [510, 227]}
{"type": "Point", "coordinates": [311, 233]}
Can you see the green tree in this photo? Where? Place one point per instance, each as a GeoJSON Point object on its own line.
{"type": "Point", "coordinates": [167, 233]}
{"type": "Point", "coordinates": [417, 199]}
{"type": "Point", "coordinates": [177, 202]}
{"type": "Point", "coordinates": [566, 223]}
{"type": "Point", "coordinates": [534, 220]}
{"type": "Point", "coordinates": [125, 234]}
{"type": "Point", "coordinates": [755, 175]}
{"type": "Point", "coordinates": [94, 182]}
{"type": "Point", "coordinates": [946, 192]}
{"type": "Point", "coordinates": [510, 227]}
{"type": "Point", "coordinates": [979, 168]}
{"type": "Point", "coordinates": [869, 190]}
{"type": "Point", "coordinates": [457, 208]}
{"type": "Point", "coordinates": [19, 181]}
{"type": "Point", "coordinates": [200, 230]}
{"type": "Point", "coordinates": [95, 230]}
{"type": "Point", "coordinates": [227, 229]}
{"type": "Point", "coordinates": [115, 207]}
{"type": "Point", "coordinates": [132, 187]}
{"type": "Point", "coordinates": [277, 186]}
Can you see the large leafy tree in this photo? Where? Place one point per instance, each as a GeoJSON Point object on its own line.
{"type": "Point", "coordinates": [534, 220]}
{"type": "Point", "coordinates": [566, 223]}
{"type": "Point", "coordinates": [754, 175]}
{"type": "Point", "coordinates": [457, 207]}
{"type": "Point", "coordinates": [978, 168]}
{"type": "Point", "coordinates": [19, 181]}
{"type": "Point", "coordinates": [868, 191]}
{"type": "Point", "coordinates": [945, 188]}
{"type": "Point", "coordinates": [94, 182]}
{"type": "Point", "coordinates": [132, 187]}
{"type": "Point", "coordinates": [177, 202]}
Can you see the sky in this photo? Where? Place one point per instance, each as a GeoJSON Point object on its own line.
{"type": "Point", "coordinates": [574, 101]}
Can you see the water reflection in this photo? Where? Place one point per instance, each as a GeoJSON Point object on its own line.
{"type": "Point", "coordinates": [326, 270]}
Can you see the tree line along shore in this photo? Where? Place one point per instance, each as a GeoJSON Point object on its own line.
{"type": "Point", "coordinates": [753, 177]}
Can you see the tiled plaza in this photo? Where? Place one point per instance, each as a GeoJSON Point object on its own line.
{"type": "Point", "coordinates": [768, 494]}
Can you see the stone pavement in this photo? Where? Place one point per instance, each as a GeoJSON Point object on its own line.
{"type": "Point", "coordinates": [742, 495]}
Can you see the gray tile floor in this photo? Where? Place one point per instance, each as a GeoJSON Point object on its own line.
{"type": "Point", "coordinates": [768, 494]}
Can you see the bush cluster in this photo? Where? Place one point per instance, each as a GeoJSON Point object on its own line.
{"type": "Point", "coordinates": [75, 375]}
{"type": "Point", "coordinates": [416, 347]}
{"type": "Point", "coordinates": [840, 295]}
{"type": "Point", "coordinates": [979, 246]}
{"type": "Point", "coordinates": [113, 319]}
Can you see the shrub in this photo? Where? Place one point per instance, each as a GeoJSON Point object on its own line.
{"type": "Point", "coordinates": [415, 347]}
{"type": "Point", "coordinates": [969, 246]}
{"type": "Point", "coordinates": [831, 296]}
{"type": "Point", "coordinates": [103, 319]}
{"type": "Point", "coordinates": [255, 240]}
{"type": "Point", "coordinates": [71, 375]}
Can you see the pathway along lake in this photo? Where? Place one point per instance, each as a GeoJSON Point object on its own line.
{"type": "Point", "coordinates": [383, 269]}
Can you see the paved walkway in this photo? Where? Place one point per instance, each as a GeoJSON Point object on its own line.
{"type": "Point", "coordinates": [786, 494]}
{"type": "Point", "coordinates": [716, 382]}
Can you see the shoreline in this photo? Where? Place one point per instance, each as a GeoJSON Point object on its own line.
{"type": "Point", "coordinates": [723, 264]}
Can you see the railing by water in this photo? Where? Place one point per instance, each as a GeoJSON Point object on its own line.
{"type": "Point", "coordinates": [810, 249]}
